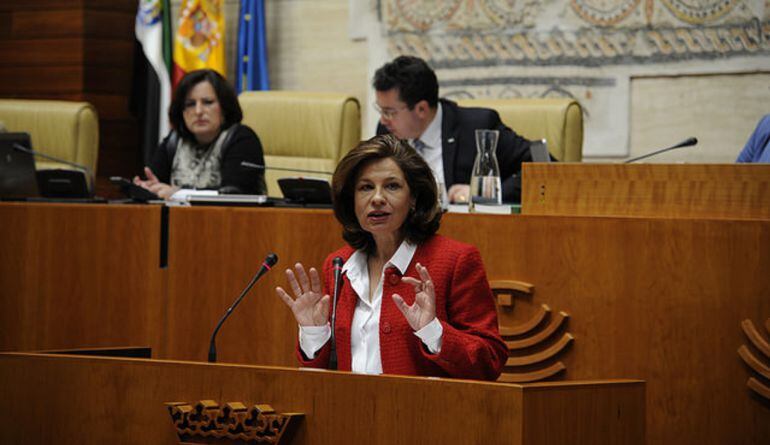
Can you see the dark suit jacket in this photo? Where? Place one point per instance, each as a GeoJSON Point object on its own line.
{"type": "Point", "coordinates": [459, 147]}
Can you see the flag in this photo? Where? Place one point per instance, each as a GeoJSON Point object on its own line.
{"type": "Point", "coordinates": [252, 47]}
{"type": "Point", "coordinates": [200, 38]}
{"type": "Point", "coordinates": [152, 29]}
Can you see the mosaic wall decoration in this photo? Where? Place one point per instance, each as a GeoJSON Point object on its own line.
{"type": "Point", "coordinates": [585, 49]}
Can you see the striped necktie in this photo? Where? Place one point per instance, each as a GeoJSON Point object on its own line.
{"type": "Point", "coordinates": [419, 146]}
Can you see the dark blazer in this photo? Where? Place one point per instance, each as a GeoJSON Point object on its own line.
{"type": "Point", "coordinates": [242, 144]}
{"type": "Point", "coordinates": [458, 148]}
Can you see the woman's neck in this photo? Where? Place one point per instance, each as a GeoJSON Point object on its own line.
{"type": "Point", "coordinates": [385, 247]}
{"type": "Point", "coordinates": [206, 139]}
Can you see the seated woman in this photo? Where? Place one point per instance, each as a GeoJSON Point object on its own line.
{"type": "Point", "coordinates": [757, 148]}
{"type": "Point", "coordinates": [208, 145]}
{"type": "Point", "coordinates": [411, 302]}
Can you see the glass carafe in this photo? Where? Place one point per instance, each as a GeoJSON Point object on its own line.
{"type": "Point", "coordinates": [485, 179]}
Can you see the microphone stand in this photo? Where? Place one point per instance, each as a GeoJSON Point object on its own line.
{"type": "Point", "coordinates": [248, 164]}
{"type": "Point", "coordinates": [337, 265]}
{"type": "Point", "coordinates": [685, 143]}
{"type": "Point", "coordinates": [266, 266]}
{"type": "Point", "coordinates": [31, 152]}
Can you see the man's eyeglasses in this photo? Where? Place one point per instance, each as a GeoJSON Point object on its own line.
{"type": "Point", "coordinates": [388, 113]}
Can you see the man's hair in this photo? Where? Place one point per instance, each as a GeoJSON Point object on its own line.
{"type": "Point", "coordinates": [413, 77]}
{"type": "Point", "coordinates": [423, 220]}
{"type": "Point", "coordinates": [228, 101]}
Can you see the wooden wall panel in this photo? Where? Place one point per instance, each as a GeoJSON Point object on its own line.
{"type": "Point", "coordinates": [40, 52]}
{"type": "Point", "coordinates": [113, 5]}
{"type": "Point", "coordinates": [20, 80]}
{"type": "Point", "coordinates": [40, 24]}
{"type": "Point", "coordinates": [229, 249]}
{"type": "Point", "coordinates": [80, 275]}
{"type": "Point", "coordinates": [37, 24]}
{"type": "Point", "coordinates": [75, 50]}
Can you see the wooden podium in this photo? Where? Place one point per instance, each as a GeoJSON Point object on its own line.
{"type": "Point", "coordinates": [76, 399]}
{"type": "Point", "coordinates": [732, 191]}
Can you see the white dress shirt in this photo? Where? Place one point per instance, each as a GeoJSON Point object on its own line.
{"type": "Point", "coordinates": [365, 327]}
{"type": "Point", "coordinates": [431, 137]}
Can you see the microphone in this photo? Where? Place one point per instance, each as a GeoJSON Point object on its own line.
{"type": "Point", "coordinates": [248, 164]}
{"type": "Point", "coordinates": [31, 152]}
{"type": "Point", "coordinates": [689, 142]}
{"type": "Point", "coordinates": [337, 265]}
{"type": "Point", "coordinates": [269, 262]}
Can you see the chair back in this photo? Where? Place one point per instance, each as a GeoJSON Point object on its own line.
{"type": "Point", "coordinates": [64, 129]}
{"type": "Point", "coordinates": [301, 130]}
{"type": "Point", "coordinates": [559, 121]}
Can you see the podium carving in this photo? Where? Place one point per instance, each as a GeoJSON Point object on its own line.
{"type": "Point", "coordinates": [533, 343]}
{"type": "Point", "coordinates": [762, 371]}
{"type": "Point", "coordinates": [233, 423]}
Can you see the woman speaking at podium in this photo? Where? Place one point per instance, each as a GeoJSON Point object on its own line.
{"type": "Point", "coordinates": [208, 144]}
{"type": "Point", "coordinates": [410, 301]}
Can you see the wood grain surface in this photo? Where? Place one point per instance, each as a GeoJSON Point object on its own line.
{"type": "Point", "coordinates": [121, 401]}
{"type": "Point", "coordinates": [81, 50]}
{"type": "Point", "coordinates": [659, 299]}
{"type": "Point", "coordinates": [654, 190]}
{"type": "Point", "coordinates": [79, 275]}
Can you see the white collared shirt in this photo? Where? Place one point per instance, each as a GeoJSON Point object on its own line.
{"type": "Point", "coordinates": [365, 327]}
{"type": "Point", "coordinates": [431, 137]}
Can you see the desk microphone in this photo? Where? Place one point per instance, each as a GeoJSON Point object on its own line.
{"type": "Point", "coordinates": [269, 262]}
{"type": "Point", "coordinates": [337, 265]}
{"type": "Point", "coordinates": [685, 143]}
{"type": "Point", "coordinates": [248, 164]}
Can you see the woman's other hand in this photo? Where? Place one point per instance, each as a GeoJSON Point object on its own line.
{"type": "Point", "coordinates": [309, 305]}
{"type": "Point", "coordinates": [163, 190]}
{"type": "Point", "coordinates": [423, 311]}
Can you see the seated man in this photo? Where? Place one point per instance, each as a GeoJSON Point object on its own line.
{"type": "Point", "coordinates": [757, 148]}
{"type": "Point", "coordinates": [407, 99]}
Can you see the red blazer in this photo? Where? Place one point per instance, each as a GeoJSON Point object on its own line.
{"type": "Point", "coordinates": [471, 345]}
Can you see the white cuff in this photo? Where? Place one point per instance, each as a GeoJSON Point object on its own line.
{"type": "Point", "coordinates": [313, 338]}
{"type": "Point", "coordinates": [431, 335]}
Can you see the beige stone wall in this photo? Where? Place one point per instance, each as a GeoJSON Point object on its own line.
{"type": "Point", "coordinates": [720, 110]}
{"type": "Point", "coordinates": [310, 49]}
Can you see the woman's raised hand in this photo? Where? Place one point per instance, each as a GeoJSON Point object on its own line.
{"type": "Point", "coordinates": [423, 311]}
{"type": "Point", "coordinates": [153, 184]}
{"type": "Point", "coordinates": [309, 305]}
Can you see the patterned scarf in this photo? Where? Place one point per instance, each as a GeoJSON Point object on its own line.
{"type": "Point", "coordinates": [198, 166]}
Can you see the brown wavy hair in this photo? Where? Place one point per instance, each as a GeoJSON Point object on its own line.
{"type": "Point", "coordinates": [423, 220]}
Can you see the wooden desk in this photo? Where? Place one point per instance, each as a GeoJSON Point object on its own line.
{"type": "Point", "coordinates": [90, 400]}
{"type": "Point", "coordinates": [652, 298]}
{"type": "Point", "coordinates": [729, 191]}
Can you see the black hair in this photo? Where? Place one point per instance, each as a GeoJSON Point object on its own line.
{"type": "Point", "coordinates": [413, 78]}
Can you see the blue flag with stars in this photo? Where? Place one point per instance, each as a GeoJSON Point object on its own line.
{"type": "Point", "coordinates": [252, 47]}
